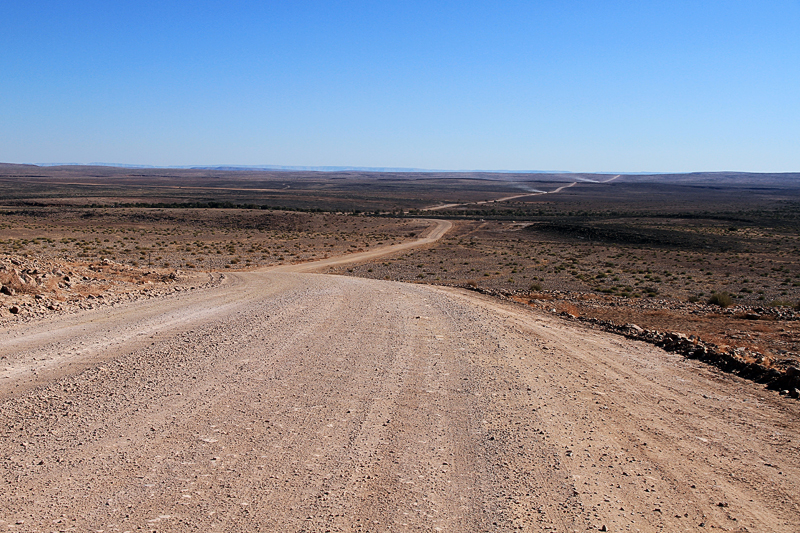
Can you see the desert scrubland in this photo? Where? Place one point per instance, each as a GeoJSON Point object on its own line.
{"type": "Point", "coordinates": [619, 355]}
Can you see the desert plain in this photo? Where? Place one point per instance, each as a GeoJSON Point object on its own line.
{"type": "Point", "coordinates": [243, 350]}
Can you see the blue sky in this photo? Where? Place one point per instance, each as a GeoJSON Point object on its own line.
{"type": "Point", "coordinates": [569, 85]}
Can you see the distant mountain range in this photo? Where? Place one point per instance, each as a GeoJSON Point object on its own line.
{"type": "Point", "coordinates": [306, 168]}
{"type": "Point", "coordinates": [786, 177]}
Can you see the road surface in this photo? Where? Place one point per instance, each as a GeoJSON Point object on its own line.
{"type": "Point", "coordinates": [286, 401]}
{"type": "Point", "coordinates": [434, 233]}
{"type": "Point", "coordinates": [507, 198]}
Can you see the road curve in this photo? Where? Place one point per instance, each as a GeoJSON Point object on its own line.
{"type": "Point", "coordinates": [283, 401]}
{"type": "Point", "coordinates": [434, 233]}
{"type": "Point", "coordinates": [506, 198]}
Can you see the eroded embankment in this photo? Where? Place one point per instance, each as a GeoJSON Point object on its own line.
{"type": "Point", "coordinates": [743, 362]}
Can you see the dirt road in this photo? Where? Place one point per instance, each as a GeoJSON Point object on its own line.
{"type": "Point", "coordinates": [284, 401]}
{"type": "Point", "coordinates": [508, 198]}
{"type": "Point", "coordinates": [434, 233]}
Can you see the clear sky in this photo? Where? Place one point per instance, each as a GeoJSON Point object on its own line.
{"type": "Point", "coordinates": [590, 85]}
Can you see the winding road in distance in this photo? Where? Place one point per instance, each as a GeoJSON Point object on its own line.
{"type": "Point", "coordinates": [290, 401]}
{"type": "Point", "coordinates": [507, 198]}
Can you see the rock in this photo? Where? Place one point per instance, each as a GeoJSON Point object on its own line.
{"type": "Point", "coordinates": [701, 351]}
{"type": "Point", "coordinates": [8, 291]}
{"type": "Point", "coordinates": [14, 309]}
{"type": "Point", "coordinates": [15, 279]}
{"type": "Point", "coordinates": [634, 327]}
{"type": "Point", "coordinates": [793, 372]}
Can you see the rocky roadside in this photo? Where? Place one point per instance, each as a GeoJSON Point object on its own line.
{"type": "Point", "coordinates": [32, 288]}
{"type": "Point", "coordinates": [783, 375]}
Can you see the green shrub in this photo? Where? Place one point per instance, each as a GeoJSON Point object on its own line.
{"type": "Point", "coordinates": [722, 299]}
{"type": "Point", "coordinates": [535, 287]}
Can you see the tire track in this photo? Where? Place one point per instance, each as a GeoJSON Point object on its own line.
{"type": "Point", "coordinates": [297, 402]}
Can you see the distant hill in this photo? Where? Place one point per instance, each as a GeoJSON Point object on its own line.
{"type": "Point", "coordinates": [789, 180]}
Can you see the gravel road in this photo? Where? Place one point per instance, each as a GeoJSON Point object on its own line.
{"type": "Point", "coordinates": [287, 401]}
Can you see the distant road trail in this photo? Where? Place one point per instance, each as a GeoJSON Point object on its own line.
{"type": "Point", "coordinates": [574, 183]}
{"type": "Point", "coordinates": [438, 229]}
{"type": "Point", "coordinates": [504, 199]}
{"type": "Point", "coordinates": [285, 401]}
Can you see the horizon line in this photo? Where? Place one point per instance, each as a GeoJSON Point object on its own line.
{"type": "Point", "coordinates": [332, 168]}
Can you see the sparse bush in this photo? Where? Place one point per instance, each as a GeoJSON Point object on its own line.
{"type": "Point", "coordinates": [722, 299]}
{"type": "Point", "coordinates": [781, 303]}
{"type": "Point", "coordinates": [535, 287]}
